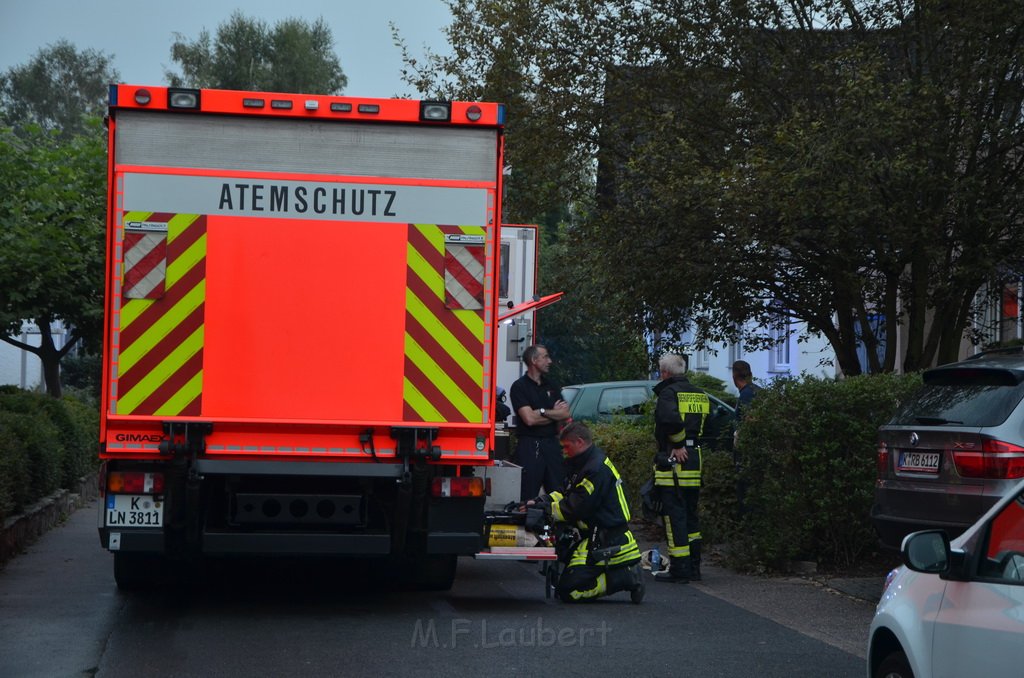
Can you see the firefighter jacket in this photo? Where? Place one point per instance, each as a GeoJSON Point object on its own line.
{"type": "Point", "coordinates": [679, 417]}
{"type": "Point", "coordinates": [594, 501]}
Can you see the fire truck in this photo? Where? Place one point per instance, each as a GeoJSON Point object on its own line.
{"type": "Point", "coordinates": [301, 328]}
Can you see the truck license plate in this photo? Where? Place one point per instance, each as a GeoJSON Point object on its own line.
{"type": "Point", "coordinates": [134, 510]}
{"type": "Point", "coordinates": [925, 462]}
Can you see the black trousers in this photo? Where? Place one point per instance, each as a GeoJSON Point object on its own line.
{"type": "Point", "coordinates": [541, 459]}
{"type": "Point", "coordinates": [682, 517]}
{"type": "Point", "coordinates": [586, 582]}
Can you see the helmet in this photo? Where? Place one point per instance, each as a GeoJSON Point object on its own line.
{"type": "Point", "coordinates": [645, 561]}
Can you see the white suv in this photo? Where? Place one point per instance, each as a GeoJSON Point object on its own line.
{"type": "Point", "coordinates": [955, 608]}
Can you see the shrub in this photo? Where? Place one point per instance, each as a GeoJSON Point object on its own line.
{"type": "Point", "coordinates": [712, 385]}
{"type": "Point", "coordinates": [79, 424]}
{"type": "Point", "coordinates": [14, 474]}
{"type": "Point", "coordinates": [43, 451]}
{"type": "Point", "coordinates": [631, 449]}
{"type": "Point", "coordinates": [807, 452]}
{"type": "Point", "coordinates": [47, 444]}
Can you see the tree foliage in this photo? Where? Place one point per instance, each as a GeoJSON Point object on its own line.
{"type": "Point", "coordinates": [58, 89]}
{"type": "Point", "coordinates": [51, 239]}
{"type": "Point", "coordinates": [248, 54]}
{"type": "Point", "coordinates": [850, 165]}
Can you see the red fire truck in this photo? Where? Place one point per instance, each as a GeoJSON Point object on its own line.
{"type": "Point", "coordinates": [301, 328]}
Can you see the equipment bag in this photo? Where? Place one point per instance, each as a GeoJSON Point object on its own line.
{"type": "Point", "coordinates": [650, 503]}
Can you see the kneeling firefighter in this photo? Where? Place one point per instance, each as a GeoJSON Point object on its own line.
{"type": "Point", "coordinates": [606, 558]}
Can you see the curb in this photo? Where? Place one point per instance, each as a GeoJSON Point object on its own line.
{"type": "Point", "coordinates": [21, 530]}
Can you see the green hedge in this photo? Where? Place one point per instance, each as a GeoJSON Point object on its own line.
{"type": "Point", "coordinates": [807, 450]}
{"type": "Point", "coordinates": [808, 459]}
{"type": "Point", "coordinates": [45, 444]}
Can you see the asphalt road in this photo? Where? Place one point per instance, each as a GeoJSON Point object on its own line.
{"type": "Point", "coordinates": [61, 615]}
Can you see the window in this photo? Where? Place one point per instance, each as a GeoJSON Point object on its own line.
{"type": "Point", "coordinates": [1005, 551]}
{"type": "Point", "coordinates": [1009, 315]}
{"type": "Point", "coordinates": [1000, 319]}
{"type": "Point", "coordinates": [877, 323]}
{"type": "Point", "coordinates": [503, 270]}
{"type": "Point", "coordinates": [971, 397]}
{"type": "Point", "coordinates": [625, 400]}
{"type": "Point", "coordinates": [779, 357]}
{"type": "Point", "coordinates": [735, 351]}
{"type": "Point", "coordinates": [701, 360]}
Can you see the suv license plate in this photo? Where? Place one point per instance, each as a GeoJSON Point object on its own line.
{"type": "Point", "coordinates": [134, 510]}
{"type": "Point", "coordinates": [925, 462]}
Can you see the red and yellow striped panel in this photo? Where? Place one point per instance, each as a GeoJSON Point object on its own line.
{"type": "Point", "coordinates": [160, 357]}
{"type": "Point", "coordinates": [444, 348]}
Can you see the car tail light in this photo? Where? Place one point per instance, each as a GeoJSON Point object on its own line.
{"type": "Point", "coordinates": [135, 482]}
{"type": "Point", "coordinates": [995, 460]}
{"type": "Point", "coordinates": [882, 460]}
{"type": "Point", "coordinates": [457, 487]}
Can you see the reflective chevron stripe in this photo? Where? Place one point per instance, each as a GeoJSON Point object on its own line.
{"type": "Point", "coordinates": [444, 346]}
{"type": "Point", "coordinates": [159, 356]}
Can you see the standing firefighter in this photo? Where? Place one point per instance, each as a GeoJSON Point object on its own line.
{"type": "Point", "coordinates": [679, 418]}
{"type": "Point", "coordinates": [606, 559]}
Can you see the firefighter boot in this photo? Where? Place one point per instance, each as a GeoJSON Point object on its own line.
{"type": "Point", "coordinates": [636, 587]}
{"type": "Point", "coordinates": [695, 560]}
{"type": "Point", "coordinates": [677, 573]}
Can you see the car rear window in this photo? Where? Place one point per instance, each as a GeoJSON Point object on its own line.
{"type": "Point", "coordinates": [569, 393]}
{"type": "Point", "coordinates": [969, 397]}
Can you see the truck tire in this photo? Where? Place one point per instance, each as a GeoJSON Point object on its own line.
{"type": "Point", "coordinates": [435, 572]}
{"type": "Point", "coordinates": [138, 571]}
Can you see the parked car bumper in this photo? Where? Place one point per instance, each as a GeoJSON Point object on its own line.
{"type": "Point", "coordinates": [892, 529]}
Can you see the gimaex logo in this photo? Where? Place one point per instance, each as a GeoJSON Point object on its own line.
{"type": "Point", "coordinates": [138, 437]}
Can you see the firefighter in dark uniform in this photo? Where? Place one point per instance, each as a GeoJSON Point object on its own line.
{"type": "Point", "coordinates": [679, 417]}
{"type": "Point", "coordinates": [539, 406]}
{"type": "Point", "coordinates": [606, 560]}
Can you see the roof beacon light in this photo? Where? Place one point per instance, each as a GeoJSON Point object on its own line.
{"type": "Point", "coordinates": [143, 97]}
{"type": "Point", "coordinates": [473, 113]}
{"type": "Point", "coordinates": [182, 98]}
{"type": "Point", "coordinates": [435, 111]}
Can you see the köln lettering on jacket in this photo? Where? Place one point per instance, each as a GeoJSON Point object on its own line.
{"type": "Point", "coordinates": [283, 199]}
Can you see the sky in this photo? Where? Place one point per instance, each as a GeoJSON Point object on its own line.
{"type": "Point", "coordinates": [139, 33]}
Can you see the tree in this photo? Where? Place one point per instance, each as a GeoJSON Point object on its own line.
{"type": "Point", "coordinates": [843, 164]}
{"type": "Point", "coordinates": [51, 239]}
{"type": "Point", "coordinates": [59, 89]}
{"type": "Point", "coordinates": [246, 54]}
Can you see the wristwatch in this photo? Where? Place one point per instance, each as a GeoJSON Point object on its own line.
{"type": "Point", "coordinates": [542, 412]}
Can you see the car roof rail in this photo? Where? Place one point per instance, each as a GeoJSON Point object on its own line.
{"type": "Point", "coordinates": [1003, 350]}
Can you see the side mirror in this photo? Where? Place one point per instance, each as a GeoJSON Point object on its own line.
{"type": "Point", "coordinates": [926, 551]}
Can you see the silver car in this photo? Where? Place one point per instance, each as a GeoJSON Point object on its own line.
{"type": "Point", "coordinates": [955, 608]}
{"type": "Point", "coordinates": [953, 449]}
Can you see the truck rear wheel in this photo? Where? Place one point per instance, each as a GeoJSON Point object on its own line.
{"type": "Point", "coordinates": [138, 571]}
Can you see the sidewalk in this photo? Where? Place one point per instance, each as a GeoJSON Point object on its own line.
{"type": "Point", "coordinates": [18, 532]}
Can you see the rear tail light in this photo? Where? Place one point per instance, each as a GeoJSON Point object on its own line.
{"type": "Point", "coordinates": [135, 482]}
{"type": "Point", "coordinates": [995, 460]}
{"type": "Point", "coordinates": [882, 460]}
{"type": "Point", "coordinates": [457, 487]}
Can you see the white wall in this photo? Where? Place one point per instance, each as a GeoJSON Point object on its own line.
{"type": "Point", "coordinates": [804, 358]}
